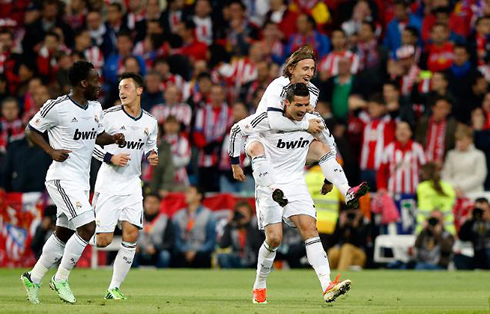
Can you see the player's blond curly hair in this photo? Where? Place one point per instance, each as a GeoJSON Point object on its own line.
{"type": "Point", "coordinates": [301, 54]}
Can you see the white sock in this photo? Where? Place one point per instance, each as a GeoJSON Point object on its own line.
{"type": "Point", "coordinates": [263, 172]}
{"type": "Point", "coordinates": [93, 240]}
{"type": "Point", "coordinates": [52, 252]}
{"type": "Point", "coordinates": [318, 260]}
{"type": "Point", "coordinates": [264, 265]}
{"type": "Point", "coordinates": [122, 263]}
{"type": "Point", "coordinates": [334, 173]}
{"type": "Point", "coordinates": [73, 250]}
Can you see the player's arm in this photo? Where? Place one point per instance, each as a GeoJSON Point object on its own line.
{"type": "Point", "coordinates": [324, 135]}
{"type": "Point", "coordinates": [151, 150]}
{"type": "Point", "coordinates": [234, 150]}
{"type": "Point", "coordinates": [102, 155]}
{"type": "Point", "coordinates": [103, 138]}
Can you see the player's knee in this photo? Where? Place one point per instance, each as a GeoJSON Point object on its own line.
{"type": "Point", "coordinates": [130, 235]}
{"type": "Point", "coordinates": [274, 239]}
{"type": "Point", "coordinates": [255, 149]}
{"type": "Point", "coordinates": [103, 239]}
{"type": "Point", "coordinates": [63, 234]}
{"type": "Point", "coordinates": [86, 231]}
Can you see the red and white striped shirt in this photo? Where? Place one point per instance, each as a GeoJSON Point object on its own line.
{"type": "Point", "coordinates": [435, 142]}
{"type": "Point", "coordinates": [182, 112]}
{"type": "Point", "coordinates": [377, 134]}
{"type": "Point", "coordinates": [204, 29]}
{"type": "Point", "coordinates": [181, 156]}
{"type": "Point", "coordinates": [95, 56]}
{"type": "Point", "coordinates": [330, 63]}
{"type": "Point", "coordinates": [239, 72]}
{"type": "Point", "coordinates": [10, 131]}
{"type": "Point", "coordinates": [173, 79]}
{"type": "Point", "coordinates": [407, 80]}
{"type": "Point", "coordinates": [400, 166]}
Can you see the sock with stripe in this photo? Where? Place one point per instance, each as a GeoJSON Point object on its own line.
{"type": "Point", "coordinates": [318, 260]}
{"type": "Point", "coordinates": [334, 173]}
{"type": "Point", "coordinates": [122, 263]}
{"type": "Point", "coordinates": [73, 250]}
{"type": "Point", "coordinates": [263, 172]}
{"type": "Point", "coordinates": [264, 265]}
{"type": "Point", "coordinates": [52, 253]}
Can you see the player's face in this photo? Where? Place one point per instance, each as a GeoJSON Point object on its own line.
{"type": "Point", "coordinates": [92, 88]}
{"type": "Point", "coordinates": [303, 71]}
{"type": "Point", "coordinates": [297, 109]}
{"type": "Point", "coordinates": [128, 92]}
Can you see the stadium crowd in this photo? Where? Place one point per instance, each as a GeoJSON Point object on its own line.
{"type": "Point", "coordinates": [403, 88]}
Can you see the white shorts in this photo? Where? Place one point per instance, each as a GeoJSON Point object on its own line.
{"type": "Point", "coordinates": [72, 204]}
{"type": "Point", "coordinates": [269, 212]}
{"type": "Point", "coordinates": [111, 209]}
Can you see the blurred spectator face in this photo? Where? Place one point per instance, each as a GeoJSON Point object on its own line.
{"type": "Point", "coordinates": [51, 42]}
{"type": "Point", "coordinates": [163, 68]}
{"type": "Point", "coordinates": [83, 41]}
{"type": "Point", "coordinates": [132, 65]}
{"type": "Point", "coordinates": [192, 195]}
{"type": "Point", "coordinates": [171, 126]}
{"type": "Point", "coordinates": [10, 110]}
{"type": "Point", "coordinates": [25, 73]}
{"type": "Point", "coordinates": [439, 34]}
{"type": "Point", "coordinates": [154, 27]}
{"type": "Point", "coordinates": [128, 93]}
{"type": "Point", "coordinates": [205, 85]}
{"type": "Point", "coordinates": [152, 205]}
{"type": "Point", "coordinates": [33, 85]}
{"type": "Point", "coordinates": [361, 11]}
{"type": "Point", "coordinates": [408, 38]}
{"type": "Point", "coordinates": [242, 215]}
{"type": "Point", "coordinates": [77, 5]}
{"type": "Point", "coordinates": [152, 82]}
{"type": "Point", "coordinates": [153, 9]}
{"type": "Point", "coordinates": [200, 66]}
{"type": "Point", "coordinates": [256, 53]}
{"type": "Point", "coordinates": [276, 5]}
{"type": "Point", "coordinates": [6, 42]}
{"type": "Point", "coordinates": [113, 14]}
{"type": "Point", "coordinates": [271, 32]}
{"type": "Point", "coordinates": [400, 12]}
{"type": "Point", "coordinates": [403, 132]}
{"type": "Point", "coordinates": [460, 56]}
{"type": "Point", "coordinates": [366, 33]}
{"type": "Point", "coordinates": [175, 5]}
{"type": "Point", "coordinates": [64, 62]}
{"type": "Point", "coordinates": [438, 82]}
{"type": "Point", "coordinates": [236, 11]}
{"type": "Point", "coordinates": [338, 40]}
{"type": "Point", "coordinates": [124, 45]}
{"type": "Point", "coordinates": [344, 66]}
{"type": "Point", "coordinates": [50, 11]}
{"type": "Point", "coordinates": [486, 209]}
{"type": "Point", "coordinates": [483, 26]}
{"type": "Point", "coordinates": [94, 20]}
{"type": "Point", "coordinates": [240, 111]}
{"type": "Point", "coordinates": [441, 110]}
{"type": "Point", "coordinates": [171, 95]}
{"type": "Point", "coordinates": [390, 93]}
{"type": "Point", "coordinates": [202, 9]}
{"type": "Point", "coordinates": [303, 25]}
{"type": "Point", "coordinates": [480, 87]}
{"type": "Point", "coordinates": [41, 95]}
{"type": "Point", "coordinates": [463, 143]}
{"type": "Point", "coordinates": [486, 102]}
{"type": "Point", "coordinates": [262, 71]}
{"type": "Point", "coordinates": [303, 71]}
{"type": "Point", "coordinates": [135, 5]}
{"type": "Point", "coordinates": [217, 95]}
{"type": "Point", "coordinates": [375, 109]}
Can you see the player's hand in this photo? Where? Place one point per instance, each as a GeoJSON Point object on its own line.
{"type": "Point", "coordinates": [326, 188]}
{"type": "Point", "coordinates": [119, 138]}
{"type": "Point", "coordinates": [238, 173]}
{"type": "Point", "coordinates": [120, 160]}
{"type": "Point", "coordinates": [153, 158]}
{"type": "Point", "coordinates": [60, 155]}
{"type": "Point", "coordinates": [315, 126]}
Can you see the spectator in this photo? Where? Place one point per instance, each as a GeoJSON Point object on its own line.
{"type": "Point", "coordinates": [181, 152]}
{"type": "Point", "coordinates": [281, 15]}
{"type": "Point", "coordinates": [436, 133]}
{"type": "Point", "coordinates": [11, 127]}
{"type": "Point", "coordinates": [44, 230]}
{"type": "Point", "coordinates": [360, 13]}
{"type": "Point", "coordinates": [481, 127]}
{"type": "Point", "coordinates": [308, 35]}
{"type": "Point", "coordinates": [152, 95]}
{"type": "Point", "coordinates": [426, 92]}
{"type": "Point", "coordinates": [439, 54]}
{"type": "Point", "coordinates": [193, 49]}
{"type": "Point", "coordinates": [478, 41]}
{"type": "Point", "coordinates": [433, 244]}
{"type": "Point", "coordinates": [337, 90]}
{"type": "Point", "coordinates": [156, 240]}
{"type": "Point", "coordinates": [162, 178]}
{"type": "Point", "coordinates": [476, 229]}
{"type": "Point", "coordinates": [479, 87]}
{"type": "Point", "coordinates": [397, 106]}
{"type": "Point", "coordinates": [113, 25]}
{"type": "Point", "coordinates": [240, 32]}
{"type": "Point", "coordinates": [243, 238]}
{"type": "Point", "coordinates": [46, 60]}
{"type": "Point", "coordinates": [162, 66]}
{"type": "Point", "coordinates": [98, 31]}
{"type": "Point", "coordinates": [172, 16]}
{"type": "Point", "coordinates": [435, 194]}
{"type": "Point", "coordinates": [195, 232]}
{"type": "Point", "coordinates": [200, 94]}
{"type": "Point", "coordinates": [91, 52]}
{"type": "Point", "coordinates": [204, 23]}
{"type": "Point", "coordinates": [173, 106]}
{"type": "Point", "coordinates": [405, 69]}
{"type": "Point", "coordinates": [349, 239]}
{"type": "Point", "coordinates": [39, 97]}
{"type": "Point", "coordinates": [271, 44]}
{"type": "Point", "coordinates": [402, 19]}
{"type": "Point", "coordinates": [465, 166]}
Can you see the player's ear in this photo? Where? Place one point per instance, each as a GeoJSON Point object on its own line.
{"type": "Point", "coordinates": [139, 91]}
{"type": "Point", "coordinates": [84, 83]}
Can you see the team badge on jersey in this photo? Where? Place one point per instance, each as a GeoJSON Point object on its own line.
{"type": "Point", "coordinates": [96, 118]}
{"type": "Point", "coordinates": [78, 205]}
{"type": "Point", "coordinates": [146, 131]}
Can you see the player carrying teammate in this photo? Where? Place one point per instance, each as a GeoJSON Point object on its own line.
{"type": "Point", "coordinates": [118, 194]}
{"type": "Point", "coordinates": [74, 125]}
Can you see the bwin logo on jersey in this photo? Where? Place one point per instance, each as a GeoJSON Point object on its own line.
{"type": "Point", "coordinates": [132, 145]}
{"type": "Point", "coordinates": [85, 135]}
{"type": "Point", "coordinates": [293, 144]}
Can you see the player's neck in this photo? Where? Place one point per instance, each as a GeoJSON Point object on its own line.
{"type": "Point", "coordinates": [78, 97]}
{"type": "Point", "coordinates": [133, 109]}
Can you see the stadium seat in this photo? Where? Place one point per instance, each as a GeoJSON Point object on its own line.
{"type": "Point", "coordinates": [399, 245]}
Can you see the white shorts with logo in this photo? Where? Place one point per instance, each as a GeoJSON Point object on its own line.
{"type": "Point", "coordinates": [110, 209]}
{"type": "Point", "coordinates": [73, 208]}
{"type": "Point", "coordinates": [269, 212]}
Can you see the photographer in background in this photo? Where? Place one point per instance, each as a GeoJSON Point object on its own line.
{"type": "Point", "coordinates": [242, 237]}
{"type": "Point", "coordinates": [434, 244]}
{"type": "Point", "coordinates": [350, 239]}
{"type": "Point", "coordinates": [44, 230]}
{"type": "Point", "coordinates": [476, 229]}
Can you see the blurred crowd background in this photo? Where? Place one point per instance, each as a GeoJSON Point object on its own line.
{"type": "Point", "coordinates": [403, 88]}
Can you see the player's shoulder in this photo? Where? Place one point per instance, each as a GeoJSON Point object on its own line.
{"type": "Point", "coordinates": [113, 109]}
{"type": "Point", "coordinates": [52, 103]}
{"type": "Point", "coordinates": [313, 89]}
{"type": "Point", "coordinates": [149, 116]}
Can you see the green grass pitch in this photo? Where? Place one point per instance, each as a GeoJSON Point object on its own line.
{"type": "Point", "coordinates": [221, 291]}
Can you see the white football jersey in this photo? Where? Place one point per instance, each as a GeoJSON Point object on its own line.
{"type": "Point", "coordinates": [275, 94]}
{"type": "Point", "coordinates": [141, 138]}
{"type": "Point", "coordinates": [72, 127]}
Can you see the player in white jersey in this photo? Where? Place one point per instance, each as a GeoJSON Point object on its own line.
{"type": "Point", "coordinates": [74, 124]}
{"type": "Point", "coordinates": [288, 152]}
{"type": "Point", "coordinates": [118, 193]}
{"type": "Point", "coordinates": [299, 68]}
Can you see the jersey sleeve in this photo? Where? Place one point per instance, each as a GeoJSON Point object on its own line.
{"type": "Point", "coordinates": [101, 117]}
{"type": "Point", "coordinates": [46, 118]}
{"type": "Point", "coordinates": [101, 155]}
{"type": "Point", "coordinates": [151, 142]}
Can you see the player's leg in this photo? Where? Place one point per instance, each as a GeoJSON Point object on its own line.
{"type": "Point", "coordinates": [107, 210]}
{"type": "Point", "coordinates": [263, 172]}
{"type": "Point", "coordinates": [317, 257]}
{"type": "Point", "coordinates": [334, 173]}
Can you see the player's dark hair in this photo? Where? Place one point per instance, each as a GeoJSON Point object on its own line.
{"type": "Point", "coordinates": [298, 89]}
{"type": "Point", "coordinates": [137, 79]}
{"type": "Point", "coordinates": [79, 72]}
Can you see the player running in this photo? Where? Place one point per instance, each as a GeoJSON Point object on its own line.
{"type": "Point", "coordinates": [299, 68]}
{"type": "Point", "coordinates": [74, 124]}
{"type": "Point", "coordinates": [288, 153]}
{"type": "Point", "coordinates": [118, 193]}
